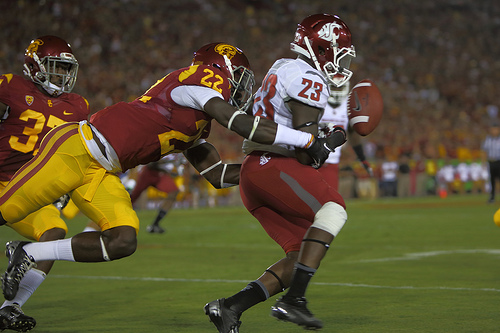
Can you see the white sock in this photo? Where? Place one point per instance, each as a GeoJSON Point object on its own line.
{"type": "Point", "coordinates": [54, 250]}
{"type": "Point", "coordinates": [30, 282]}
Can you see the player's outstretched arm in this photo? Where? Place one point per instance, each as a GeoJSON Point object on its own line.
{"type": "Point", "coordinates": [240, 122]}
{"type": "Point", "coordinates": [206, 160]}
{"type": "Point", "coordinates": [265, 131]}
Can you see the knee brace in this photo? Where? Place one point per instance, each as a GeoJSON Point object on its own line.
{"type": "Point", "coordinates": [330, 218]}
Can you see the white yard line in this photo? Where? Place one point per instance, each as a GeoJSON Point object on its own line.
{"type": "Point", "coordinates": [420, 255]}
{"type": "Point", "coordinates": [352, 285]}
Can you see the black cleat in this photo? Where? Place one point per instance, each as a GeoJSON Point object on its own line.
{"type": "Point", "coordinates": [19, 264]}
{"type": "Point", "coordinates": [13, 318]}
{"type": "Point", "coordinates": [155, 229]}
{"type": "Point", "coordinates": [294, 310]}
{"type": "Point", "coordinates": [225, 319]}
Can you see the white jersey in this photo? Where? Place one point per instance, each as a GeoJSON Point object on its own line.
{"type": "Point", "coordinates": [286, 80]}
{"type": "Point", "coordinates": [337, 116]}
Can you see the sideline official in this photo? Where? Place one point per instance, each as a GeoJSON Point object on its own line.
{"type": "Point", "coordinates": [491, 145]}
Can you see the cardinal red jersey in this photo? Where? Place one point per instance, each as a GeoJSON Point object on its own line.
{"type": "Point", "coordinates": [31, 115]}
{"type": "Point", "coordinates": [154, 125]}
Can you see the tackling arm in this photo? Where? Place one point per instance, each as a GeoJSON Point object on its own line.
{"type": "Point", "coordinates": [241, 123]}
{"type": "Point", "coordinates": [206, 160]}
{"type": "Point", "coordinates": [265, 131]}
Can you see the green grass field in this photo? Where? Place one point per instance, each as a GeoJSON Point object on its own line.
{"type": "Point", "coordinates": [415, 265]}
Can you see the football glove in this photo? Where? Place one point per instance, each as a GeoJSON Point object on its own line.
{"type": "Point", "coordinates": [322, 147]}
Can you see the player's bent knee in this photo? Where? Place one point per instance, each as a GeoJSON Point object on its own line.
{"type": "Point", "coordinates": [118, 243]}
{"type": "Point", "coordinates": [330, 218]}
{"type": "Point", "coordinates": [52, 234]}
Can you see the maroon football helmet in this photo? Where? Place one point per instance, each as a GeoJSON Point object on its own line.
{"type": "Point", "coordinates": [326, 40]}
{"type": "Point", "coordinates": [49, 62]}
{"type": "Point", "coordinates": [235, 66]}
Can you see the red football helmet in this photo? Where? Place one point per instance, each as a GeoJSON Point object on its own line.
{"type": "Point", "coordinates": [326, 40]}
{"type": "Point", "coordinates": [49, 61]}
{"type": "Point", "coordinates": [234, 64]}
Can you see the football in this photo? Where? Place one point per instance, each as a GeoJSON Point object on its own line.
{"type": "Point", "coordinates": [364, 107]}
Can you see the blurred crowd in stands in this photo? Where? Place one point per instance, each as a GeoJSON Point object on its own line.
{"type": "Point", "coordinates": [435, 62]}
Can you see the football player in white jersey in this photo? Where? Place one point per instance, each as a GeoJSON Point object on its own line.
{"type": "Point", "coordinates": [292, 201]}
{"type": "Point", "coordinates": [336, 115]}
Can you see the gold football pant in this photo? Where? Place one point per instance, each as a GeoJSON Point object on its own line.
{"type": "Point", "coordinates": [37, 223]}
{"type": "Point", "coordinates": [64, 165]}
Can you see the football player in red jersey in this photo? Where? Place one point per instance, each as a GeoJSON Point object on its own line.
{"type": "Point", "coordinates": [173, 116]}
{"type": "Point", "coordinates": [160, 176]}
{"type": "Point", "coordinates": [29, 109]}
{"type": "Point", "coordinates": [294, 203]}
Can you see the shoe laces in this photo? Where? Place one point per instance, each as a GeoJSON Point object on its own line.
{"type": "Point", "coordinates": [22, 268]}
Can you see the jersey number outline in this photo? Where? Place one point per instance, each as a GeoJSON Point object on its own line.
{"type": "Point", "coordinates": [316, 94]}
{"type": "Point", "coordinates": [33, 132]}
{"type": "Point", "coordinates": [269, 88]}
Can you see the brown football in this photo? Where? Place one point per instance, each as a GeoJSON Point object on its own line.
{"type": "Point", "coordinates": [364, 107]}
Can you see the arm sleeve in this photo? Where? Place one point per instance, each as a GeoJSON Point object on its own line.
{"type": "Point", "coordinates": [194, 97]}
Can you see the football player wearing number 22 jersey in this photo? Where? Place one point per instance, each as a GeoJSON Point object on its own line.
{"type": "Point", "coordinates": [29, 109]}
{"type": "Point", "coordinates": [173, 116]}
{"type": "Point", "coordinates": [293, 202]}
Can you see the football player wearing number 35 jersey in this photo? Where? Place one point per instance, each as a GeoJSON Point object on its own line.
{"type": "Point", "coordinates": [293, 202]}
{"type": "Point", "coordinates": [173, 116]}
{"type": "Point", "coordinates": [29, 109]}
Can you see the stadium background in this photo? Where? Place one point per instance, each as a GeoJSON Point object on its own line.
{"type": "Point", "coordinates": [436, 62]}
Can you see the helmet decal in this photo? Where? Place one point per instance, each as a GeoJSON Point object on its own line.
{"type": "Point", "coordinates": [226, 50]}
{"type": "Point", "coordinates": [327, 32]}
{"type": "Point", "coordinates": [33, 48]}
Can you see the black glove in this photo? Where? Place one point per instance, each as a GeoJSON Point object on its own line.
{"type": "Point", "coordinates": [322, 147]}
{"type": "Point", "coordinates": [61, 202]}
{"type": "Point", "coordinates": [358, 149]}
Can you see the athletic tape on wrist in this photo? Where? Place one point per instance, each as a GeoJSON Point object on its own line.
{"type": "Point", "coordinates": [236, 113]}
{"type": "Point", "coordinates": [255, 124]}
{"type": "Point", "coordinates": [210, 168]}
{"type": "Point", "coordinates": [222, 176]}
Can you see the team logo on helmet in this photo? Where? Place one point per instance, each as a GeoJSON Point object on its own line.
{"type": "Point", "coordinates": [33, 48]}
{"type": "Point", "coordinates": [227, 50]}
{"type": "Point", "coordinates": [327, 32]}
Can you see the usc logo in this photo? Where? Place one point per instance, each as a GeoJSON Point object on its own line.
{"type": "Point", "coordinates": [33, 48]}
{"type": "Point", "coordinates": [227, 50]}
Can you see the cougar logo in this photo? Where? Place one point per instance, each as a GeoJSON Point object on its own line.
{"type": "Point", "coordinates": [33, 48]}
{"type": "Point", "coordinates": [327, 32]}
{"type": "Point", "coordinates": [227, 50]}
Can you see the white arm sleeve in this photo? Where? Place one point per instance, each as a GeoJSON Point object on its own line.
{"type": "Point", "coordinates": [194, 97]}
